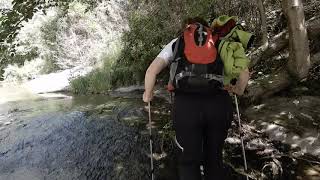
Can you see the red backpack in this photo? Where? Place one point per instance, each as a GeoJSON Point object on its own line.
{"type": "Point", "coordinates": [196, 66]}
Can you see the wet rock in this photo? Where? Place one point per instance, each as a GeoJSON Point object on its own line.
{"type": "Point", "coordinates": [130, 89]}
{"type": "Point", "coordinates": [43, 83]}
{"type": "Point", "coordinates": [128, 92]}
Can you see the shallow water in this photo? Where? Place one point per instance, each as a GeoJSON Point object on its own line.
{"type": "Point", "coordinates": [81, 137]}
{"type": "Point", "coordinates": [56, 136]}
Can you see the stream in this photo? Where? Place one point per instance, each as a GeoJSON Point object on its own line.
{"type": "Point", "coordinates": [73, 138]}
{"type": "Point", "coordinates": [59, 136]}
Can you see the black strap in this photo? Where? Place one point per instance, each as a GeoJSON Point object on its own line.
{"type": "Point", "coordinates": [174, 61]}
{"type": "Point", "coordinates": [176, 47]}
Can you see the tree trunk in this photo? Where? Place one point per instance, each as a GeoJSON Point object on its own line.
{"type": "Point", "coordinates": [299, 59]}
{"type": "Point", "coordinates": [280, 41]}
{"type": "Point", "coordinates": [313, 28]}
{"type": "Point", "coordinates": [277, 43]}
{"type": "Point", "coordinates": [267, 86]}
{"type": "Point", "coordinates": [263, 21]}
{"type": "Point", "coordinates": [263, 88]}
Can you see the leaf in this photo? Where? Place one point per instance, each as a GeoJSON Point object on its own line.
{"type": "Point", "coordinates": [9, 40]}
{"type": "Point", "coordinates": [29, 15]}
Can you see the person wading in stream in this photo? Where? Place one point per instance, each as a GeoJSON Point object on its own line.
{"type": "Point", "coordinates": [202, 108]}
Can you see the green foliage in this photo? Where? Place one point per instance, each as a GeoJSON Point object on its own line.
{"type": "Point", "coordinates": [49, 35]}
{"type": "Point", "coordinates": [11, 22]}
{"type": "Point", "coordinates": [152, 25]}
{"type": "Point", "coordinates": [80, 85]}
{"type": "Point", "coordinates": [100, 80]}
{"type": "Point", "coordinates": [50, 65]}
{"type": "Point", "coordinates": [19, 58]}
{"type": "Point", "coordinates": [95, 82]}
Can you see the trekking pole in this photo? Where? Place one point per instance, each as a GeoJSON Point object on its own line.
{"type": "Point", "coordinates": [241, 137]}
{"type": "Point", "coordinates": [151, 141]}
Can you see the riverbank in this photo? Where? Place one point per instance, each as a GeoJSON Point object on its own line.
{"type": "Point", "coordinates": [274, 150]}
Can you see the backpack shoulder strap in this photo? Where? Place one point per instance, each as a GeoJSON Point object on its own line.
{"type": "Point", "coordinates": [174, 64]}
{"type": "Point", "coordinates": [175, 50]}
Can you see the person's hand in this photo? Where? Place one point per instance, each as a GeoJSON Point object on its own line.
{"type": "Point", "coordinates": [237, 90]}
{"type": "Point", "coordinates": [233, 89]}
{"type": "Point", "coordinates": [147, 96]}
{"type": "Point", "coordinates": [230, 88]}
{"type": "Point", "coordinates": [240, 84]}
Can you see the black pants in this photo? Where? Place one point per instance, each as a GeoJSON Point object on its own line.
{"type": "Point", "coordinates": [201, 123]}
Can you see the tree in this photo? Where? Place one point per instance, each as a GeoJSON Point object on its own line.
{"type": "Point", "coordinates": [11, 22]}
{"type": "Point", "coordinates": [299, 60]}
{"type": "Point", "coordinates": [265, 42]}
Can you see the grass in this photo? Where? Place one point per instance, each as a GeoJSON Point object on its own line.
{"type": "Point", "coordinates": [100, 80]}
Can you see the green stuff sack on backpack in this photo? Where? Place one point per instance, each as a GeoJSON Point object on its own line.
{"type": "Point", "coordinates": [233, 43]}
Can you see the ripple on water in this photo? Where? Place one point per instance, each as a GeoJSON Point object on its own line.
{"type": "Point", "coordinates": [7, 123]}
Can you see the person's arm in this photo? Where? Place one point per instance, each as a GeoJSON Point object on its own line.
{"type": "Point", "coordinates": [150, 77]}
{"type": "Point", "coordinates": [242, 82]}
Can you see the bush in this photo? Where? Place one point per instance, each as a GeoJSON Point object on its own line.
{"type": "Point", "coordinates": [101, 79]}
{"type": "Point", "coordinates": [80, 85]}
{"type": "Point", "coordinates": [152, 25]}
{"type": "Point", "coordinates": [95, 82]}
{"type": "Point", "coordinates": [99, 82]}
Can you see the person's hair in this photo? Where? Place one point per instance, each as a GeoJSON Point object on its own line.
{"type": "Point", "coordinates": [194, 20]}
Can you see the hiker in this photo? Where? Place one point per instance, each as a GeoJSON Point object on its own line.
{"type": "Point", "coordinates": [202, 108]}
